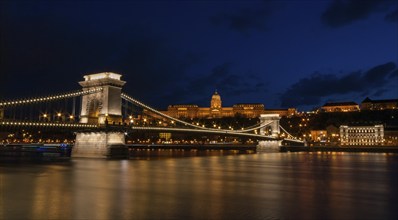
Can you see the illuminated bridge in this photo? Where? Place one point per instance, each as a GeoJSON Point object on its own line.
{"type": "Point", "coordinates": [103, 118]}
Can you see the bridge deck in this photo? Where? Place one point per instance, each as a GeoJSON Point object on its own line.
{"type": "Point", "coordinates": [239, 147]}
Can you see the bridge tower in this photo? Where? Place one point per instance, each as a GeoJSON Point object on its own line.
{"type": "Point", "coordinates": [97, 108]}
{"type": "Point", "coordinates": [105, 105]}
{"type": "Point", "coordinates": [273, 121]}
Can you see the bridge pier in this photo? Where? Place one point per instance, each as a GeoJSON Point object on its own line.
{"type": "Point", "coordinates": [99, 145]}
{"type": "Point", "coordinates": [270, 145]}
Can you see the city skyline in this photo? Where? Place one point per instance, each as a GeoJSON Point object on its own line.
{"type": "Point", "coordinates": [279, 53]}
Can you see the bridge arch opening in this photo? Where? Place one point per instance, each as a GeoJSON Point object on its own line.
{"type": "Point", "coordinates": [94, 109]}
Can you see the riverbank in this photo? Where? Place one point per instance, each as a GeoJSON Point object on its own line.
{"type": "Point", "coordinates": [369, 149]}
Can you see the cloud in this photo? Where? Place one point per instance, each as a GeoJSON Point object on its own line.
{"type": "Point", "coordinates": [393, 75]}
{"type": "Point", "coordinates": [341, 13]}
{"type": "Point", "coordinates": [244, 20]}
{"type": "Point", "coordinates": [311, 90]}
{"type": "Point", "coordinates": [392, 17]}
{"type": "Point", "coordinates": [222, 78]}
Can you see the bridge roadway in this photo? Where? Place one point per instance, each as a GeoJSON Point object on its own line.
{"type": "Point", "coordinates": [200, 147]}
{"type": "Point", "coordinates": [9, 125]}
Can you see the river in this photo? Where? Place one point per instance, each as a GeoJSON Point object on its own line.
{"type": "Point", "coordinates": [246, 186]}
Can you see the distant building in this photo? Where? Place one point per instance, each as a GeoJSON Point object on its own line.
{"type": "Point", "coordinates": [182, 111]}
{"type": "Point", "coordinates": [282, 112]}
{"type": "Point", "coordinates": [369, 104]}
{"type": "Point", "coordinates": [216, 110]}
{"type": "Point", "coordinates": [340, 107]}
{"type": "Point", "coordinates": [318, 135]}
{"type": "Point", "coordinates": [248, 110]}
{"type": "Point", "coordinates": [391, 136]}
{"type": "Point", "coordinates": [361, 135]}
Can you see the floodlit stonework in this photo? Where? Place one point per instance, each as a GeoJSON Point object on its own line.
{"type": "Point", "coordinates": [216, 110]}
{"type": "Point", "coordinates": [273, 123]}
{"type": "Point", "coordinates": [103, 105]}
{"type": "Point", "coordinates": [96, 144]}
{"type": "Point", "coordinates": [362, 135]}
{"type": "Point", "coordinates": [100, 107]}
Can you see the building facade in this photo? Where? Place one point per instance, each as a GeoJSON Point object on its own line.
{"type": "Point", "coordinates": [361, 135]}
{"type": "Point", "coordinates": [369, 104]}
{"type": "Point", "coordinates": [282, 112]}
{"type": "Point", "coordinates": [216, 110]}
{"type": "Point", "coordinates": [340, 107]}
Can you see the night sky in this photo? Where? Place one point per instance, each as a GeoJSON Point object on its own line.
{"type": "Point", "coordinates": [279, 53]}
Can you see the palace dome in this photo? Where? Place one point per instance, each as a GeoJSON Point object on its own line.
{"type": "Point", "coordinates": [215, 100]}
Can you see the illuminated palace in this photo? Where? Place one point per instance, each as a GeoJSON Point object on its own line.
{"type": "Point", "coordinates": [250, 110]}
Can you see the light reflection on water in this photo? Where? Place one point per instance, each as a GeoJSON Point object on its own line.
{"type": "Point", "coordinates": [251, 186]}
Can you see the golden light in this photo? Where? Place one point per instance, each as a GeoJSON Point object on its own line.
{"type": "Point", "coordinates": [71, 117]}
{"type": "Point", "coordinates": [45, 115]}
{"type": "Point", "coordinates": [59, 114]}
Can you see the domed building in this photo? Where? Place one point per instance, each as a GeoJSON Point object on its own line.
{"type": "Point", "coordinates": [216, 110]}
{"type": "Point", "coordinates": [215, 102]}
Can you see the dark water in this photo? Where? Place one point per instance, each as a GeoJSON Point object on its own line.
{"type": "Point", "coordinates": [251, 186]}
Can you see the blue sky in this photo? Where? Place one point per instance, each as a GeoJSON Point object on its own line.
{"type": "Point", "coordinates": [279, 53]}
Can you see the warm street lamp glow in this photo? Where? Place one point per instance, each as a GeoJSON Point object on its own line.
{"type": "Point", "coordinates": [59, 114]}
{"type": "Point", "coordinates": [45, 116]}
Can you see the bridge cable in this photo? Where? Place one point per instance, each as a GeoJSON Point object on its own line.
{"type": "Point", "coordinates": [134, 101]}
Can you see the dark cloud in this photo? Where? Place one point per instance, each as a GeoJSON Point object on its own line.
{"type": "Point", "coordinates": [380, 92]}
{"type": "Point", "coordinates": [243, 20]}
{"type": "Point", "coordinates": [311, 90]}
{"type": "Point", "coordinates": [394, 74]}
{"type": "Point", "coordinates": [392, 17]}
{"type": "Point", "coordinates": [221, 78]}
{"type": "Point", "coordinates": [341, 13]}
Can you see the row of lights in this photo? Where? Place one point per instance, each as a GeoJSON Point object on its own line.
{"type": "Point", "coordinates": [58, 115]}
{"type": "Point", "coordinates": [185, 129]}
{"type": "Point", "coordinates": [154, 110]}
{"type": "Point", "coordinates": [47, 124]}
{"type": "Point", "coordinates": [74, 94]}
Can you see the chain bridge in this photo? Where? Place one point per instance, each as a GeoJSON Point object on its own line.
{"type": "Point", "coordinates": [100, 119]}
